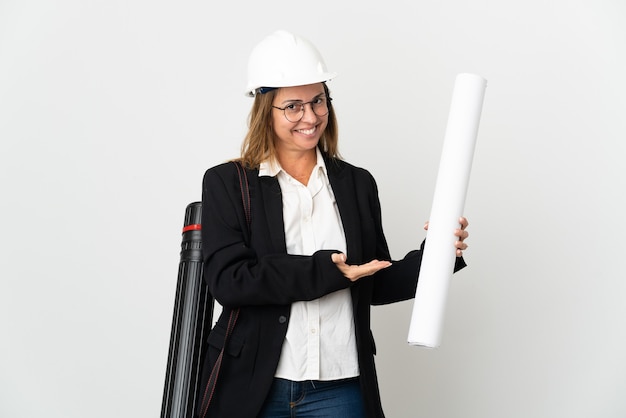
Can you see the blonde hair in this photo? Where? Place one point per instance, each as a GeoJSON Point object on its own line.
{"type": "Point", "coordinates": [258, 145]}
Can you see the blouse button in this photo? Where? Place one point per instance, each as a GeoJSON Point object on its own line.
{"type": "Point", "coordinates": [282, 319]}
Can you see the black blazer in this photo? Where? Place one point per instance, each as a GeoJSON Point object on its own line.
{"type": "Point", "coordinates": [263, 280]}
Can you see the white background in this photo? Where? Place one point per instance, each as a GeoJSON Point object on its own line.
{"type": "Point", "coordinates": [110, 112]}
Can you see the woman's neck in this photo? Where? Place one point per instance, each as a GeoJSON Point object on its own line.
{"type": "Point", "coordinates": [298, 165]}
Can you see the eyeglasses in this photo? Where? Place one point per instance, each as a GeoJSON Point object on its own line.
{"type": "Point", "coordinates": [295, 111]}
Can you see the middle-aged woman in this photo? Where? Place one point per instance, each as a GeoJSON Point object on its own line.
{"type": "Point", "coordinates": [303, 272]}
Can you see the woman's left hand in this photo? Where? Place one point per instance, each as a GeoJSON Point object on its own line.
{"type": "Point", "coordinates": [461, 233]}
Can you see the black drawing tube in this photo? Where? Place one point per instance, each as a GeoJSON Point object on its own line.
{"type": "Point", "coordinates": [193, 315]}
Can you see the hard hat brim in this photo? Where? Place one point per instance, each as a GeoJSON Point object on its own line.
{"type": "Point", "coordinates": [252, 90]}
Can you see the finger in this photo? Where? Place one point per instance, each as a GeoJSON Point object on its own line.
{"type": "Point", "coordinates": [379, 264]}
{"type": "Point", "coordinates": [464, 222]}
{"type": "Point", "coordinates": [462, 234]}
{"type": "Point", "coordinates": [426, 225]}
{"type": "Point", "coordinates": [372, 267]}
{"type": "Point", "coordinates": [338, 258]}
{"type": "Point", "coordinates": [459, 248]}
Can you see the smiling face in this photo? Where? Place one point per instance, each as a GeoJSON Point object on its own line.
{"type": "Point", "coordinates": [302, 136]}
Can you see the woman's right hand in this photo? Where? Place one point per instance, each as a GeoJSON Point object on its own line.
{"type": "Point", "coordinates": [356, 271]}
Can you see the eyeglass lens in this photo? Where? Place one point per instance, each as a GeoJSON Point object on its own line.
{"type": "Point", "coordinates": [295, 111]}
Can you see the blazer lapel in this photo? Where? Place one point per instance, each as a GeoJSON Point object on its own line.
{"type": "Point", "coordinates": [342, 182]}
{"type": "Point", "coordinates": [273, 205]}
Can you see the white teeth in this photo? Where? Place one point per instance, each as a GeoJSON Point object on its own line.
{"type": "Point", "coordinates": [306, 131]}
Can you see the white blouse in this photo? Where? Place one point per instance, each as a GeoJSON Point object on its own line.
{"type": "Point", "coordinates": [320, 343]}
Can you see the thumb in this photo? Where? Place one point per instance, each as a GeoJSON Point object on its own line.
{"type": "Point", "coordinates": [338, 258]}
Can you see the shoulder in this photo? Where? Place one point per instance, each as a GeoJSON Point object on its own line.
{"type": "Point", "coordinates": [226, 171]}
{"type": "Point", "coordinates": [220, 170]}
{"type": "Point", "coordinates": [341, 168]}
{"type": "Point", "coordinates": [338, 166]}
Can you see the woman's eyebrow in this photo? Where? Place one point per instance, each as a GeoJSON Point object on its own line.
{"type": "Point", "coordinates": [301, 101]}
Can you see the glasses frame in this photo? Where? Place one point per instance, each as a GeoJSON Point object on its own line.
{"type": "Point", "coordinates": [328, 100]}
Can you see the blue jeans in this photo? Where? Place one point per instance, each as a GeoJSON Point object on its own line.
{"type": "Point", "coordinates": [314, 399]}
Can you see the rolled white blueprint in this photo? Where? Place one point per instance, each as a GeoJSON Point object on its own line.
{"type": "Point", "coordinates": [449, 199]}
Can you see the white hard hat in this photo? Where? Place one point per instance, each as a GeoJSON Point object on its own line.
{"type": "Point", "coordinates": [284, 60]}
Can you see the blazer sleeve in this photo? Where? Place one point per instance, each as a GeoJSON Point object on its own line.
{"type": "Point", "coordinates": [238, 274]}
{"type": "Point", "coordinates": [399, 281]}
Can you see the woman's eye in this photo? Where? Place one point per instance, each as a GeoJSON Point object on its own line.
{"type": "Point", "coordinates": [318, 101]}
{"type": "Point", "coordinates": [293, 106]}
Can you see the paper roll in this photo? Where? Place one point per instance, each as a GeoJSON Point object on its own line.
{"type": "Point", "coordinates": [448, 202]}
